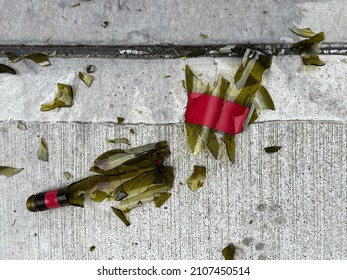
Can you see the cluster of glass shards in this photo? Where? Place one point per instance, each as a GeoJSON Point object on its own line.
{"type": "Point", "coordinates": [130, 176]}
{"type": "Point", "coordinates": [216, 114]}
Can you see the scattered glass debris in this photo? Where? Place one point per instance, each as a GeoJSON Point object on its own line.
{"type": "Point", "coordinates": [119, 141]}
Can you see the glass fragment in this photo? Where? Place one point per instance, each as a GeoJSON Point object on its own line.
{"type": "Point", "coordinates": [120, 119]}
{"type": "Point", "coordinates": [90, 69]}
{"type": "Point", "coordinates": [197, 179]}
{"type": "Point", "coordinates": [119, 141]}
{"type": "Point", "coordinates": [63, 98]}
{"type": "Point", "coordinates": [9, 171]}
{"type": "Point", "coordinates": [7, 69]}
{"type": "Point", "coordinates": [86, 78]}
{"type": "Point", "coordinates": [38, 58]}
{"type": "Point", "coordinates": [229, 252]}
{"type": "Point", "coordinates": [42, 152]}
{"type": "Point", "coordinates": [272, 149]}
{"type": "Point", "coordinates": [21, 125]}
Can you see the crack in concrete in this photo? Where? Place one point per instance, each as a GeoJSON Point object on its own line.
{"type": "Point", "coordinates": [161, 51]}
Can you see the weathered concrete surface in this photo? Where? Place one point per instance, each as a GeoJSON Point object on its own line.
{"type": "Point", "coordinates": [122, 87]}
{"type": "Point", "coordinates": [294, 202]}
{"type": "Point", "coordinates": [168, 22]}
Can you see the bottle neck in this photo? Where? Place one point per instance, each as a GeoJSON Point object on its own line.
{"type": "Point", "coordinates": [48, 200]}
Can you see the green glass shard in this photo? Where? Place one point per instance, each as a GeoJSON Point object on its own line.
{"type": "Point", "coordinates": [138, 111]}
{"type": "Point", "coordinates": [119, 141]}
{"type": "Point", "coordinates": [229, 141]}
{"type": "Point", "coordinates": [132, 131]}
{"type": "Point", "coordinates": [90, 69]}
{"type": "Point", "coordinates": [272, 149]}
{"type": "Point", "coordinates": [104, 24]}
{"type": "Point", "coordinates": [119, 161]}
{"type": "Point", "coordinates": [9, 171]}
{"type": "Point", "coordinates": [21, 125]}
{"type": "Point", "coordinates": [262, 100]}
{"type": "Point", "coordinates": [42, 152]}
{"type": "Point", "coordinates": [197, 179]}
{"type": "Point", "coordinates": [53, 53]}
{"type": "Point", "coordinates": [7, 69]}
{"type": "Point", "coordinates": [203, 36]}
{"type": "Point", "coordinates": [312, 60]}
{"type": "Point", "coordinates": [167, 76]}
{"type": "Point", "coordinates": [120, 119]}
{"type": "Point", "coordinates": [63, 98]}
{"type": "Point", "coordinates": [304, 32]}
{"type": "Point", "coordinates": [38, 58]}
{"type": "Point", "coordinates": [310, 47]}
{"type": "Point", "coordinates": [229, 252]}
{"type": "Point", "coordinates": [86, 78]}
{"type": "Point", "coordinates": [307, 44]}
{"type": "Point", "coordinates": [91, 248]}
{"type": "Point", "coordinates": [74, 5]}
{"type": "Point", "coordinates": [121, 216]}
{"type": "Point", "coordinates": [67, 176]}
{"type": "Point", "coordinates": [161, 198]}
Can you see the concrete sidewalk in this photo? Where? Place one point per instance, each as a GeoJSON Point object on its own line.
{"type": "Point", "coordinates": [288, 205]}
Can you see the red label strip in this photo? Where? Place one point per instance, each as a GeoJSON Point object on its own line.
{"type": "Point", "coordinates": [215, 113]}
{"type": "Point", "coordinates": [51, 199]}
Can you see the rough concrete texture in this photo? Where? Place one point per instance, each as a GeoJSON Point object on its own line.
{"type": "Point", "coordinates": [123, 87]}
{"type": "Point", "coordinates": [293, 202]}
{"type": "Point", "coordinates": [168, 22]}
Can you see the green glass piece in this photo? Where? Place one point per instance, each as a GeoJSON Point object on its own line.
{"type": "Point", "coordinates": [203, 36]}
{"type": "Point", "coordinates": [272, 149]}
{"type": "Point", "coordinates": [249, 76]}
{"type": "Point", "coordinates": [229, 252]}
{"type": "Point", "coordinates": [167, 76]}
{"type": "Point", "coordinates": [307, 44]}
{"type": "Point", "coordinates": [312, 60]}
{"type": "Point", "coordinates": [132, 131]}
{"type": "Point", "coordinates": [74, 5]}
{"type": "Point", "coordinates": [121, 216]}
{"type": "Point", "coordinates": [229, 141]}
{"type": "Point", "coordinates": [38, 58]}
{"type": "Point", "coordinates": [161, 198]}
{"type": "Point", "coordinates": [9, 171]}
{"type": "Point", "coordinates": [90, 69]}
{"type": "Point", "coordinates": [197, 179]}
{"type": "Point", "coordinates": [42, 152]}
{"type": "Point", "coordinates": [63, 98]}
{"type": "Point", "coordinates": [7, 69]}
{"type": "Point", "coordinates": [86, 78]}
{"type": "Point", "coordinates": [67, 176]}
{"type": "Point", "coordinates": [91, 248]}
{"type": "Point", "coordinates": [105, 24]}
{"type": "Point", "coordinates": [254, 117]}
{"type": "Point", "coordinates": [120, 119]}
{"type": "Point", "coordinates": [303, 32]}
{"type": "Point", "coordinates": [119, 161]}
{"type": "Point", "coordinates": [21, 125]}
{"type": "Point", "coordinates": [119, 141]}
{"type": "Point", "coordinates": [262, 99]}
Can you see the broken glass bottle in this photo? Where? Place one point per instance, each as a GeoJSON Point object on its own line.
{"type": "Point", "coordinates": [132, 177]}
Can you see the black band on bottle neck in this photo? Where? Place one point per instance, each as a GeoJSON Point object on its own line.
{"type": "Point", "coordinates": [48, 200]}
